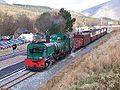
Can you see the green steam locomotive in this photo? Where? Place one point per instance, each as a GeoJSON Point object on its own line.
{"type": "Point", "coordinates": [41, 54]}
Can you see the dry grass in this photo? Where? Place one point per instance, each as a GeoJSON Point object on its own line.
{"type": "Point", "coordinates": [105, 56]}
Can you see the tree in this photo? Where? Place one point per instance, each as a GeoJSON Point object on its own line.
{"type": "Point", "coordinates": [44, 22]}
{"type": "Point", "coordinates": [58, 24]}
{"type": "Point", "coordinates": [50, 23]}
{"type": "Point", "coordinates": [23, 21]}
{"type": "Point", "coordinates": [8, 24]}
{"type": "Point", "coordinates": [69, 21]}
{"type": "Point", "coordinates": [55, 28]}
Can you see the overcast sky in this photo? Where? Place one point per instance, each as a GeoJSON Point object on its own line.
{"type": "Point", "coordinates": [75, 5]}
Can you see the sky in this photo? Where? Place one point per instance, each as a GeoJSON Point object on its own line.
{"type": "Point", "coordinates": [75, 5]}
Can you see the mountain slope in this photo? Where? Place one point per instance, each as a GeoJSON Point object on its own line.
{"type": "Point", "coordinates": [93, 10]}
{"type": "Point", "coordinates": [110, 9]}
{"type": "Point", "coordinates": [34, 8]}
{"type": "Point", "coordinates": [17, 9]}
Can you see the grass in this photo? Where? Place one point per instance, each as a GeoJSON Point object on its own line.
{"type": "Point", "coordinates": [104, 80]}
{"type": "Point", "coordinates": [88, 80]}
{"type": "Point", "coordinates": [101, 62]}
{"type": "Point", "coordinates": [91, 80]}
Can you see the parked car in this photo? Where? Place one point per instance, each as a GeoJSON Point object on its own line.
{"type": "Point", "coordinates": [22, 39]}
{"type": "Point", "coordinates": [19, 42]}
{"type": "Point", "coordinates": [5, 38]}
{"type": "Point", "coordinates": [2, 47]}
{"type": "Point", "coordinates": [3, 43]}
{"type": "Point", "coordinates": [12, 41]}
{"type": "Point", "coordinates": [9, 43]}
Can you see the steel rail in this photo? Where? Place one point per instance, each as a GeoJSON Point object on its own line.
{"type": "Point", "coordinates": [17, 82]}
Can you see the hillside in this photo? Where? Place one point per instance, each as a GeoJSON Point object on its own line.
{"type": "Point", "coordinates": [34, 8]}
{"type": "Point", "coordinates": [29, 10]}
{"type": "Point", "coordinates": [33, 11]}
{"type": "Point", "coordinates": [93, 10]}
{"type": "Point", "coordinates": [110, 9]}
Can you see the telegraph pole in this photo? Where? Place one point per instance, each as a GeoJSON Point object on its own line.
{"type": "Point", "coordinates": [110, 26]}
{"type": "Point", "coordinates": [101, 22]}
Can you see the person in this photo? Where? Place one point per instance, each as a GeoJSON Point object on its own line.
{"type": "Point", "coordinates": [14, 46]}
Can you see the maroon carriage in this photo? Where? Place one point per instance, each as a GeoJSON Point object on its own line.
{"type": "Point", "coordinates": [81, 39]}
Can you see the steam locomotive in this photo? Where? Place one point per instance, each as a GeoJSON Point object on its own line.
{"type": "Point", "coordinates": [42, 54]}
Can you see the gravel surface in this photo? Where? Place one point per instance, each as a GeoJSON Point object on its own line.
{"type": "Point", "coordinates": [11, 61]}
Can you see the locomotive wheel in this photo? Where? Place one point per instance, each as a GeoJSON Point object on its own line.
{"type": "Point", "coordinates": [73, 49]}
{"type": "Point", "coordinates": [48, 64]}
{"type": "Point", "coordinates": [55, 57]}
{"type": "Point", "coordinates": [70, 50]}
{"type": "Point", "coordinates": [27, 68]}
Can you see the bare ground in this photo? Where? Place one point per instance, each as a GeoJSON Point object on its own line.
{"type": "Point", "coordinates": [9, 50]}
{"type": "Point", "coordinates": [106, 55]}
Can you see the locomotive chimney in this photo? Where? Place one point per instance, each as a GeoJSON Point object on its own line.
{"type": "Point", "coordinates": [47, 38]}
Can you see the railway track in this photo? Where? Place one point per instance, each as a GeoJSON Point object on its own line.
{"type": "Point", "coordinates": [9, 84]}
{"type": "Point", "coordinates": [10, 55]}
{"type": "Point", "coordinates": [10, 73]}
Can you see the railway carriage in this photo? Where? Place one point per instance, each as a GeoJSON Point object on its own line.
{"type": "Point", "coordinates": [104, 31]}
{"type": "Point", "coordinates": [93, 35]}
{"type": "Point", "coordinates": [101, 32]}
{"type": "Point", "coordinates": [85, 37]}
{"type": "Point", "coordinates": [98, 31]}
{"type": "Point", "coordinates": [81, 39]}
